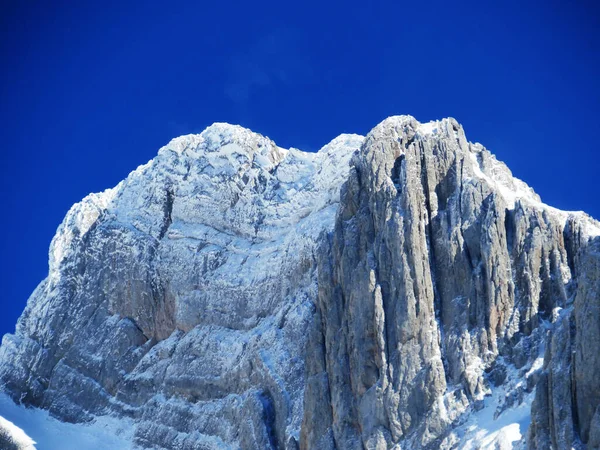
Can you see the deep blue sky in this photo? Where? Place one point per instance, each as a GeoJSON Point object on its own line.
{"type": "Point", "coordinates": [90, 90]}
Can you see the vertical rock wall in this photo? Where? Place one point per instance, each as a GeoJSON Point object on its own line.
{"type": "Point", "coordinates": [440, 263]}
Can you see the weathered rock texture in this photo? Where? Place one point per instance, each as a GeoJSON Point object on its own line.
{"type": "Point", "coordinates": [182, 297]}
{"type": "Point", "coordinates": [566, 410]}
{"type": "Point", "coordinates": [439, 263]}
{"type": "Point", "coordinates": [233, 294]}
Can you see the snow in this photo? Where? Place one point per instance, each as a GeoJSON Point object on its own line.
{"type": "Point", "coordinates": [592, 226]}
{"type": "Point", "coordinates": [510, 195]}
{"type": "Point", "coordinates": [79, 220]}
{"type": "Point", "coordinates": [281, 205]}
{"type": "Point", "coordinates": [36, 427]}
{"type": "Point", "coordinates": [501, 180]}
{"type": "Point", "coordinates": [485, 432]}
{"type": "Point", "coordinates": [234, 192]}
{"type": "Point", "coordinates": [243, 212]}
{"type": "Point", "coordinates": [485, 429]}
{"type": "Point", "coordinates": [513, 190]}
{"type": "Point", "coordinates": [15, 434]}
{"type": "Point", "coordinates": [482, 431]}
{"type": "Point", "coordinates": [429, 128]}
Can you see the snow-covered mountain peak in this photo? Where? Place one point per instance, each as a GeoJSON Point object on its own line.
{"type": "Point", "coordinates": [223, 144]}
{"type": "Point", "coordinates": [343, 140]}
{"type": "Point", "coordinates": [233, 294]}
{"type": "Point", "coordinates": [411, 128]}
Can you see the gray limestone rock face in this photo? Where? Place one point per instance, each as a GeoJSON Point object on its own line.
{"type": "Point", "coordinates": [372, 295]}
{"type": "Point", "coordinates": [376, 300]}
{"type": "Point", "coordinates": [439, 263]}
{"type": "Point", "coordinates": [587, 342]}
{"type": "Point", "coordinates": [565, 411]}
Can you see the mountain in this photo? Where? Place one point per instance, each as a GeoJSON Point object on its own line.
{"type": "Point", "coordinates": [401, 290]}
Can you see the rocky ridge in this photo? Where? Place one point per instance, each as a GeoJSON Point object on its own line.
{"type": "Point", "coordinates": [375, 294]}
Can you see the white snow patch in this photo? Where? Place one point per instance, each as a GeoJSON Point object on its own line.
{"type": "Point", "coordinates": [591, 226]}
{"type": "Point", "coordinates": [429, 128]}
{"type": "Point", "coordinates": [482, 431]}
{"type": "Point", "coordinates": [512, 190]}
{"type": "Point", "coordinates": [508, 194]}
{"type": "Point", "coordinates": [48, 433]}
{"type": "Point", "coordinates": [16, 435]}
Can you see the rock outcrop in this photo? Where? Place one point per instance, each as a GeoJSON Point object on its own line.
{"type": "Point", "coordinates": [233, 294]}
{"type": "Point", "coordinates": [440, 262]}
{"type": "Point", "coordinates": [566, 410]}
{"type": "Point", "coordinates": [181, 298]}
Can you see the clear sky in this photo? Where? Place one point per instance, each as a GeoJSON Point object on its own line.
{"type": "Point", "coordinates": [89, 90]}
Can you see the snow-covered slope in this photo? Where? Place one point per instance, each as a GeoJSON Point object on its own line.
{"type": "Point", "coordinates": [233, 294]}
{"type": "Point", "coordinates": [38, 430]}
